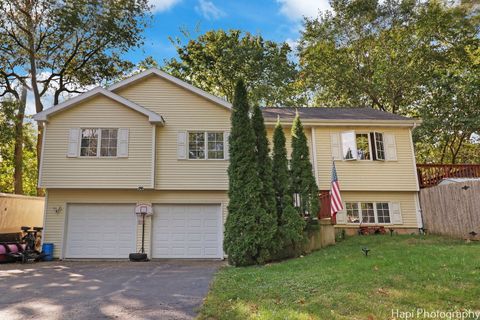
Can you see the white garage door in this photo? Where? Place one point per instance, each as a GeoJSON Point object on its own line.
{"type": "Point", "coordinates": [187, 231]}
{"type": "Point", "coordinates": [100, 230]}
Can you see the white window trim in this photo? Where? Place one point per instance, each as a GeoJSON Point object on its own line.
{"type": "Point", "coordinates": [370, 149]}
{"type": "Point", "coordinates": [383, 143]}
{"type": "Point", "coordinates": [99, 141]}
{"type": "Point", "coordinates": [375, 213]}
{"type": "Point", "coordinates": [205, 136]}
{"type": "Point", "coordinates": [355, 155]}
{"type": "Point", "coordinates": [370, 146]}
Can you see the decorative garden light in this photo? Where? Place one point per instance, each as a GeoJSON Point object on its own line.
{"type": "Point", "coordinates": [366, 251]}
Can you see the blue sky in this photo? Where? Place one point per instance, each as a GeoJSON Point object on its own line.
{"type": "Point", "coordinates": [278, 20]}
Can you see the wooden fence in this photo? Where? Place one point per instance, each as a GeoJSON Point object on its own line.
{"type": "Point", "coordinates": [452, 209]}
{"type": "Point", "coordinates": [17, 211]}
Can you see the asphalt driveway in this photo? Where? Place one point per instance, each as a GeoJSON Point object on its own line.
{"type": "Point", "coordinates": [168, 289]}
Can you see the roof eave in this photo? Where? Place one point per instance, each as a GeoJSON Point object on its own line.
{"type": "Point", "coordinates": [153, 117]}
{"type": "Point", "coordinates": [349, 122]}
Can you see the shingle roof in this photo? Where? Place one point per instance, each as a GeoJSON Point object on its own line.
{"type": "Point", "coordinates": [330, 114]}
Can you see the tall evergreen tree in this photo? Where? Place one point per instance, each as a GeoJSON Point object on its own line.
{"type": "Point", "coordinates": [290, 222]}
{"type": "Point", "coordinates": [248, 229]}
{"type": "Point", "coordinates": [303, 181]}
{"type": "Point", "coordinates": [264, 162]}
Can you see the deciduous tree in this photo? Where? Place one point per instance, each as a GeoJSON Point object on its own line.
{"type": "Point", "coordinates": [62, 47]}
{"type": "Point", "coordinates": [215, 60]}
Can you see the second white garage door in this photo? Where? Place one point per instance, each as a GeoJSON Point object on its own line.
{"type": "Point", "coordinates": [187, 231]}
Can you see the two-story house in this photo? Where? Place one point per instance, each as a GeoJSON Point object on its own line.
{"type": "Point", "coordinates": [155, 139]}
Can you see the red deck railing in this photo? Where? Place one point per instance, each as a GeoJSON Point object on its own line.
{"type": "Point", "coordinates": [324, 197]}
{"type": "Point", "coordinates": [430, 175]}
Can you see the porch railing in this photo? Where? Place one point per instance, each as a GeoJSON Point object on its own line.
{"type": "Point", "coordinates": [324, 197]}
{"type": "Point", "coordinates": [430, 175]}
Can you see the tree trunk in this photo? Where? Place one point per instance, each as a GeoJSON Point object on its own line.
{"type": "Point", "coordinates": [36, 91]}
{"type": "Point", "coordinates": [18, 153]}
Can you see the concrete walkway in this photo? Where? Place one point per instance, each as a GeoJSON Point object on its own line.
{"type": "Point", "coordinates": [167, 289]}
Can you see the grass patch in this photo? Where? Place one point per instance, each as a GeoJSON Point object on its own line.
{"type": "Point", "coordinates": [339, 282]}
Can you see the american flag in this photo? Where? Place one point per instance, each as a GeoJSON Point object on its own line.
{"type": "Point", "coordinates": [335, 197]}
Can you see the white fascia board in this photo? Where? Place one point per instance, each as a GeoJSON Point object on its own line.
{"type": "Point", "coordinates": [152, 116]}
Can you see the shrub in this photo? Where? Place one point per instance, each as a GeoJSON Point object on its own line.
{"type": "Point", "coordinates": [303, 181]}
{"type": "Point", "coordinates": [248, 229]}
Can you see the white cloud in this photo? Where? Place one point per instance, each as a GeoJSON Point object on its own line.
{"type": "Point", "coordinates": [297, 9]}
{"type": "Point", "coordinates": [162, 5]}
{"type": "Point", "coordinates": [209, 10]}
{"type": "Point", "coordinates": [293, 43]}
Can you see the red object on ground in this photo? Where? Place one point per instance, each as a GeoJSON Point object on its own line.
{"type": "Point", "coordinates": [6, 248]}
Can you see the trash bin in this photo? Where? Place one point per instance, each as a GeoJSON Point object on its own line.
{"type": "Point", "coordinates": [47, 249]}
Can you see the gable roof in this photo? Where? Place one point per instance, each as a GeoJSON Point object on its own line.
{"type": "Point", "coordinates": [172, 79]}
{"type": "Point", "coordinates": [332, 114]}
{"type": "Point", "coordinates": [152, 116]}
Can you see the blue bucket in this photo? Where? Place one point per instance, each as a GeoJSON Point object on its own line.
{"type": "Point", "coordinates": [47, 249]}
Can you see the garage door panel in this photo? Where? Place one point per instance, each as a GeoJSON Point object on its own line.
{"type": "Point", "coordinates": [187, 231]}
{"type": "Point", "coordinates": [100, 231]}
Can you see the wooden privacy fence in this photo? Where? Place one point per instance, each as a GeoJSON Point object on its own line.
{"type": "Point", "coordinates": [17, 211]}
{"type": "Point", "coordinates": [452, 209]}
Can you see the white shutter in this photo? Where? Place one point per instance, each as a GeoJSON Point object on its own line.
{"type": "Point", "coordinates": [122, 143]}
{"type": "Point", "coordinates": [336, 146]}
{"type": "Point", "coordinates": [390, 147]}
{"type": "Point", "coordinates": [395, 213]}
{"type": "Point", "coordinates": [182, 145]}
{"type": "Point", "coordinates": [342, 216]}
{"type": "Point", "coordinates": [226, 145]}
{"type": "Point", "coordinates": [73, 140]}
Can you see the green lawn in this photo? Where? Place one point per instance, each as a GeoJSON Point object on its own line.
{"type": "Point", "coordinates": [339, 282]}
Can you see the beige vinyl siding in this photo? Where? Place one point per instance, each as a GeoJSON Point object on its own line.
{"type": "Point", "coordinates": [182, 111]}
{"type": "Point", "coordinates": [359, 175]}
{"type": "Point", "coordinates": [406, 200]}
{"type": "Point", "coordinates": [59, 171]}
{"type": "Point", "coordinates": [366, 175]}
{"type": "Point", "coordinates": [59, 199]}
{"type": "Point", "coordinates": [288, 137]}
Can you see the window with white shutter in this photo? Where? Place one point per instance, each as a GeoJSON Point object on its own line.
{"type": "Point", "coordinates": [336, 146]}
{"type": "Point", "coordinates": [73, 138]}
{"type": "Point", "coordinates": [182, 145]}
{"type": "Point", "coordinates": [203, 145]}
{"type": "Point", "coordinates": [390, 147]}
{"type": "Point", "coordinates": [226, 137]}
{"type": "Point", "coordinates": [341, 216]}
{"type": "Point", "coordinates": [396, 213]}
{"type": "Point", "coordinates": [349, 146]}
{"type": "Point", "coordinates": [98, 142]}
{"type": "Point", "coordinates": [122, 143]}
{"type": "Point", "coordinates": [372, 212]}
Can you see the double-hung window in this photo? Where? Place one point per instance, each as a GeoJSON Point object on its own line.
{"type": "Point", "coordinates": [368, 212]}
{"type": "Point", "coordinates": [97, 142]}
{"type": "Point", "coordinates": [362, 145]}
{"type": "Point", "coordinates": [206, 145]}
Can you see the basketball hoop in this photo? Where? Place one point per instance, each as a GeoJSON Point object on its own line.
{"type": "Point", "coordinates": [144, 209]}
